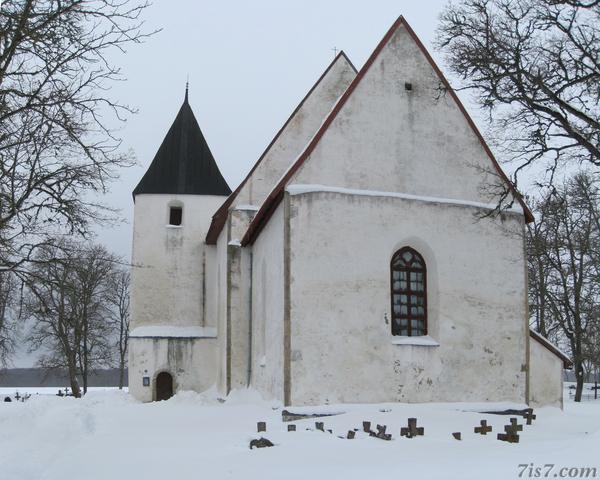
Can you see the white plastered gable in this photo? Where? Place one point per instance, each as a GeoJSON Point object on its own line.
{"type": "Point", "coordinates": [302, 125]}
{"type": "Point", "coordinates": [400, 130]}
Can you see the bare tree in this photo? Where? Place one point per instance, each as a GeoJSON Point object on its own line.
{"type": "Point", "coordinates": [591, 353]}
{"type": "Point", "coordinates": [534, 66]}
{"type": "Point", "coordinates": [57, 147]}
{"type": "Point", "coordinates": [121, 316]}
{"type": "Point", "coordinates": [50, 305]}
{"type": "Point", "coordinates": [93, 268]}
{"type": "Point", "coordinates": [69, 301]}
{"type": "Point", "coordinates": [8, 300]}
{"type": "Point", "coordinates": [538, 276]}
{"type": "Point", "coordinates": [564, 267]}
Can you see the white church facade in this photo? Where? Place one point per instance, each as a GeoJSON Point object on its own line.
{"type": "Point", "coordinates": [361, 259]}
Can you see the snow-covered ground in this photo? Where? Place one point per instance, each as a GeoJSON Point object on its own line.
{"type": "Point", "coordinates": [109, 436]}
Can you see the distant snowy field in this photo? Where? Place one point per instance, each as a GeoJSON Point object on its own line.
{"type": "Point", "coordinates": [109, 436]}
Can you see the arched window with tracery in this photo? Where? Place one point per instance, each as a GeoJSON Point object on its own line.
{"type": "Point", "coordinates": [409, 293]}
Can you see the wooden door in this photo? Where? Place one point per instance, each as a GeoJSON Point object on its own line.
{"type": "Point", "coordinates": [164, 386]}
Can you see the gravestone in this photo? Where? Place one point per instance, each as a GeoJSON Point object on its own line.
{"type": "Point", "coordinates": [412, 430]}
{"type": "Point", "coordinates": [529, 416]}
{"type": "Point", "coordinates": [381, 433]}
{"type": "Point", "coordinates": [484, 428]}
{"type": "Point", "coordinates": [515, 425]}
{"type": "Point", "coordinates": [511, 435]}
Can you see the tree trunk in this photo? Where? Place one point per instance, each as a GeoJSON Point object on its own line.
{"type": "Point", "coordinates": [84, 372]}
{"type": "Point", "coordinates": [72, 367]}
{"type": "Point", "coordinates": [121, 374]}
{"type": "Point", "coordinates": [578, 367]}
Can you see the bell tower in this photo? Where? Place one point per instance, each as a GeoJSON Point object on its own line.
{"type": "Point", "coordinates": [170, 336]}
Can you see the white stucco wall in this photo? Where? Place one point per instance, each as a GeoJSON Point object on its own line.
{"type": "Point", "coordinates": [296, 134]}
{"type": "Point", "coordinates": [238, 302]}
{"type": "Point", "coordinates": [210, 282]}
{"type": "Point", "coordinates": [545, 377]}
{"type": "Point", "coordinates": [286, 146]}
{"type": "Point", "coordinates": [167, 276]}
{"type": "Point", "coordinates": [168, 288]}
{"type": "Point", "coordinates": [389, 139]}
{"type": "Point", "coordinates": [191, 362]}
{"type": "Point", "coordinates": [268, 309]}
{"type": "Point", "coordinates": [342, 348]}
{"type": "Point", "coordinates": [221, 308]}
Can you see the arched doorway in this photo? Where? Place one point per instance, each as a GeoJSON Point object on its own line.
{"type": "Point", "coordinates": [164, 386]}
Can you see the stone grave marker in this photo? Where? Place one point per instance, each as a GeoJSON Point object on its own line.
{"type": "Point", "coordinates": [412, 430]}
{"type": "Point", "coordinates": [484, 428]}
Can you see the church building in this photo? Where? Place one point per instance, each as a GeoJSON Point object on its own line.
{"type": "Point", "coordinates": [364, 258]}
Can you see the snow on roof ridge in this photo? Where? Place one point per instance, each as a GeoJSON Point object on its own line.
{"type": "Point", "coordinates": [299, 189]}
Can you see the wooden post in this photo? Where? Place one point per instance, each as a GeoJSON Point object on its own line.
{"type": "Point", "coordinates": [261, 427]}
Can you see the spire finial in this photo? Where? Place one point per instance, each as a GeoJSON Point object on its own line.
{"type": "Point", "coordinates": [187, 87]}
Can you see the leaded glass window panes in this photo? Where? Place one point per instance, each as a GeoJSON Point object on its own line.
{"type": "Point", "coordinates": [409, 293]}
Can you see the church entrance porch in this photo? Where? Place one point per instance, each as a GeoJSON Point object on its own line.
{"type": "Point", "coordinates": [163, 386]}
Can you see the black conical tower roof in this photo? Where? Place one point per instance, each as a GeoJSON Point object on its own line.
{"type": "Point", "coordinates": [183, 163]}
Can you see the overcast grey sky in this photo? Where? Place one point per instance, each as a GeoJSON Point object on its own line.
{"type": "Point", "coordinates": [249, 64]}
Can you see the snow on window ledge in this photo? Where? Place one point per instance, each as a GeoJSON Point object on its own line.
{"type": "Point", "coordinates": [423, 341]}
{"type": "Point", "coordinates": [168, 225]}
